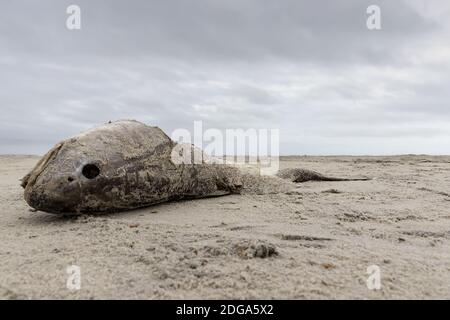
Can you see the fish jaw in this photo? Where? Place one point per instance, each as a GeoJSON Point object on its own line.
{"type": "Point", "coordinates": [57, 195]}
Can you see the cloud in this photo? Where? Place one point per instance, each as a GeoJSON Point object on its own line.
{"type": "Point", "coordinates": [311, 69]}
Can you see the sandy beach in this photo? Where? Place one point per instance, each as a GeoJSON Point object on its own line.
{"type": "Point", "coordinates": [315, 242]}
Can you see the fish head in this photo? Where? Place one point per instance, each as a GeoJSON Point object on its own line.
{"type": "Point", "coordinates": [94, 172]}
{"type": "Point", "coordinates": [65, 180]}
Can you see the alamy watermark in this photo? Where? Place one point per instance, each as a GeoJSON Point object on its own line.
{"type": "Point", "coordinates": [73, 21]}
{"type": "Point", "coordinates": [258, 148]}
{"type": "Point", "coordinates": [374, 280]}
{"type": "Point", "coordinates": [73, 282]}
{"type": "Point", "coordinates": [374, 19]}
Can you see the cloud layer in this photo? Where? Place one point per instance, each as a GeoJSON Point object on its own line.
{"type": "Point", "coordinates": [310, 68]}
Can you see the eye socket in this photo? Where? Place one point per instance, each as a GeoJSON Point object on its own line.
{"type": "Point", "coordinates": [90, 171]}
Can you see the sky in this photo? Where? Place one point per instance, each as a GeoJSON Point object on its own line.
{"type": "Point", "coordinates": [311, 69]}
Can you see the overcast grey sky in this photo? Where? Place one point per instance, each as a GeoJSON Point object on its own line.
{"type": "Point", "coordinates": [310, 68]}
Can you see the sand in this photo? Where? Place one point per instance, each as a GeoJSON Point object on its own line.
{"type": "Point", "coordinates": [314, 242]}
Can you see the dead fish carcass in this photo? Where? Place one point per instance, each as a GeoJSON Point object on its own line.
{"type": "Point", "coordinates": [126, 165]}
{"type": "Point", "coordinates": [119, 166]}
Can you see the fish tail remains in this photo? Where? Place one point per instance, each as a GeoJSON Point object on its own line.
{"type": "Point", "coordinates": [299, 175]}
